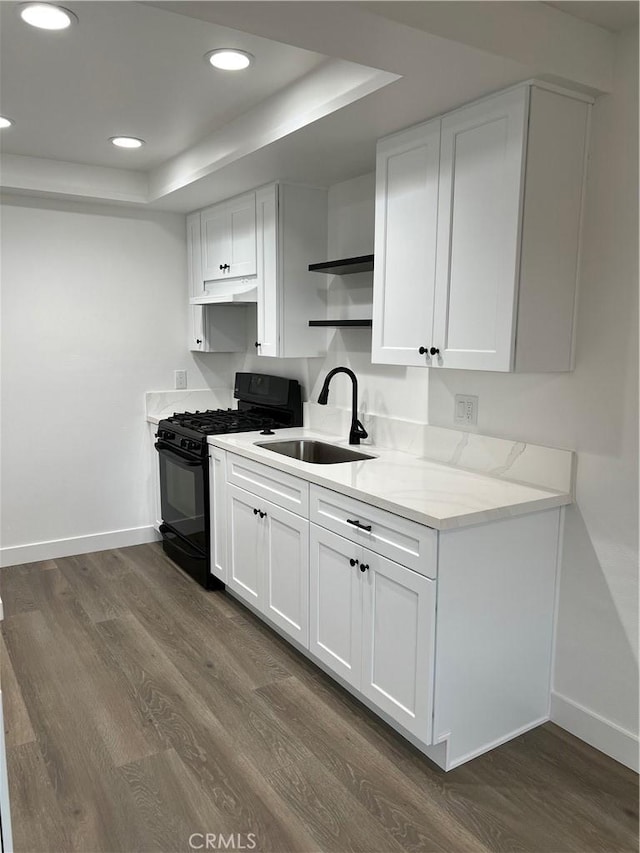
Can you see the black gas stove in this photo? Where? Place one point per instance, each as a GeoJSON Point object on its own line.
{"type": "Point", "coordinates": [265, 404]}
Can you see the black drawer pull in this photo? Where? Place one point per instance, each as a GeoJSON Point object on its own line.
{"type": "Point", "coordinates": [353, 562]}
{"type": "Point", "coordinates": [357, 524]}
{"type": "Point", "coordinates": [364, 567]}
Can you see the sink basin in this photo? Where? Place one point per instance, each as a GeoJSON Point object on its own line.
{"type": "Point", "coordinates": [316, 452]}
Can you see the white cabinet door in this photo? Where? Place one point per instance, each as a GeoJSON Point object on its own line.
{"type": "Point", "coordinates": [286, 571]}
{"type": "Point", "coordinates": [479, 218]}
{"type": "Point", "coordinates": [196, 337]}
{"type": "Point", "coordinates": [218, 512]}
{"type": "Point", "coordinates": [407, 168]}
{"type": "Point", "coordinates": [154, 492]}
{"type": "Point", "coordinates": [228, 233]}
{"type": "Point", "coordinates": [269, 292]}
{"type": "Point", "coordinates": [399, 608]}
{"type": "Point", "coordinates": [245, 546]}
{"type": "Point", "coordinates": [335, 604]}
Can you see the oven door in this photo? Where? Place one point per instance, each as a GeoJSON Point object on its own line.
{"type": "Point", "coordinates": [184, 495]}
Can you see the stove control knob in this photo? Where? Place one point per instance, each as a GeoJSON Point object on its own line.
{"type": "Point", "coordinates": [183, 442]}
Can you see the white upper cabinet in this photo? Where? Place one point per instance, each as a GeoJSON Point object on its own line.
{"type": "Point", "coordinates": [229, 239]}
{"type": "Point", "coordinates": [219, 328]}
{"type": "Point", "coordinates": [481, 171]}
{"type": "Point", "coordinates": [407, 167]}
{"type": "Point", "coordinates": [268, 307]}
{"type": "Point", "coordinates": [196, 283]}
{"type": "Point", "coordinates": [257, 249]}
{"type": "Point", "coordinates": [292, 232]}
{"type": "Point", "coordinates": [481, 273]}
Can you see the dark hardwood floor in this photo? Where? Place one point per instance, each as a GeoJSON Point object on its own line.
{"type": "Point", "coordinates": [141, 711]}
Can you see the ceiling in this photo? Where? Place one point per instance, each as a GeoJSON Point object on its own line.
{"type": "Point", "coordinates": [131, 70]}
{"type": "Point", "coordinates": [329, 79]}
{"type": "Point", "coordinates": [612, 15]}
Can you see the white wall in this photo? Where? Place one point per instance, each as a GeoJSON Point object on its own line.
{"type": "Point", "coordinates": [93, 315]}
{"type": "Point", "coordinates": [400, 392]}
{"type": "Point", "coordinates": [593, 410]}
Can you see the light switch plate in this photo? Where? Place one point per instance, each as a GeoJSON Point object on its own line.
{"type": "Point", "coordinates": [465, 411]}
{"type": "Point", "coordinates": [181, 379]}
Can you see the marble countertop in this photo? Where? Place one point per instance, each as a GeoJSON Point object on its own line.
{"type": "Point", "coordinates": [431, 493]}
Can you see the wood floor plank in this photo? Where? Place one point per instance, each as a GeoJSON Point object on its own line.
{"type": "Point", "coordinates": [98, 811]}
{"type": "Point", "coordinates": [17, 725]}
{"type": "Point", "coordinates": [418, 818]}
{"type": "Point", "coordinates": [203, 744]}
{"type": "Point", "coordinates": [37, 822]}
{"type": "Point", "coordinates": [171, 803]}
{"type": "Point", "coordinates": [140, 707]}
{"type": "Point", "coordinates": [227, 691]}
{"type": "Point", "coordinates": [98, 598]}
{"type": "Point", "coordinates": [251, 659]}
{"type": "Point", "coordinates": [152, 563]}
{"type": "Point", "coordinates": [335, 819]}
{"type": "Point", "coordinates": [600, 796]}
{"type": "Point", "coordinates": [126, 731]}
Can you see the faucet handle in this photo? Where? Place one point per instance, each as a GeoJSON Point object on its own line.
{"type": "Point", "coordinates": [357, 432]}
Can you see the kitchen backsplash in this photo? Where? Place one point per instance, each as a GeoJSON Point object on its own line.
{"type": "Point", "coordinates": [547, 467]}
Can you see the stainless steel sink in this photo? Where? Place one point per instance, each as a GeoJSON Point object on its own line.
{"type": "Point", "coordinates": [316, 452]}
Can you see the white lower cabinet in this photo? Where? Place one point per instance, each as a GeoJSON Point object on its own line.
{"type": "Point", "coordinates": [246, 543]}
{"type": "Point", "coordinates": [268, 560]}
{"type": "Point", "coordinates": [218, 512]}
{"type": "Point", "coordinates": [398, 629]}
{"type": "Point", "coordinates": [336, 604]}
{"type": "Point", "coordinates": [373, 624]}
{"type": "Point", "coordinates": [447, 635]}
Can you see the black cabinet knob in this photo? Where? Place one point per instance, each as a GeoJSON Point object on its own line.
{"type": "Point", "coordinates": [198, 340]}
{"type": "Point", "coordinates": [434, 351]}
{"type": "Point", "coordinates": [363, 567]}
{"type": "Point", "coordinates": [224, 267]}
{"type": "Point", "coordinates": [353, 562]}
{"type": "Point", "coordinates": [263, 514]}
{"type": "Point", "coordinates": [423, 351]}
{"type": "Point", "coordinates": [256, 511]}
{"type": "Point", "coordinates": [257, 344]}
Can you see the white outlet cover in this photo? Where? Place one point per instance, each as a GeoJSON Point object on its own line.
{"type": "Point", "coordinates": [181, 379]}
{"type": "Point", "coordinates": [465, 410]}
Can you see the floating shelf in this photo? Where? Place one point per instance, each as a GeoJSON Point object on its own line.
{"type": "Point", "coordinates": [344, 266]}
{"type": "Point", "coordinates": [363, 324]}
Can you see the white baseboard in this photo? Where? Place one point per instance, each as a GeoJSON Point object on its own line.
{"type": "Point", "coordinates": [37, 551]}
{"type": "Point", "coordinates": [608, 737]}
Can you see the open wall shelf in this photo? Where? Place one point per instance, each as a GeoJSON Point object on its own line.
{"type": "Point", "coordinates": [362, 324]}
{"type": "Point", "coordinates": [344, 266]}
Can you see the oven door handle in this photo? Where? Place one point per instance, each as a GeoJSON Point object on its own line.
{"type": "Point", "coordinates": [188, 460]}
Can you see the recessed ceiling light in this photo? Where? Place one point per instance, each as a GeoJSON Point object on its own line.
{"type": "Point", "coordinates": [5, 122]}
{"type": "Point", "coordinates": [46, 17]}
{"type": "Point", "coordinates": [127, 141]}
{"type": "Point", "coordinates": [229, 59]}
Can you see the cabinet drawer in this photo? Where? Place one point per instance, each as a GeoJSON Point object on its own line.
{"type": "Point", "coordinates": [392, 536]}
{"type": "Point", "coordinates": [269, 483]}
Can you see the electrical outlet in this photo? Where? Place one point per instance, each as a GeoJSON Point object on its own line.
{"type": "Point", "coordinates": [181, 379]}
{"type": "Point", "coordinates": [466, 410]}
